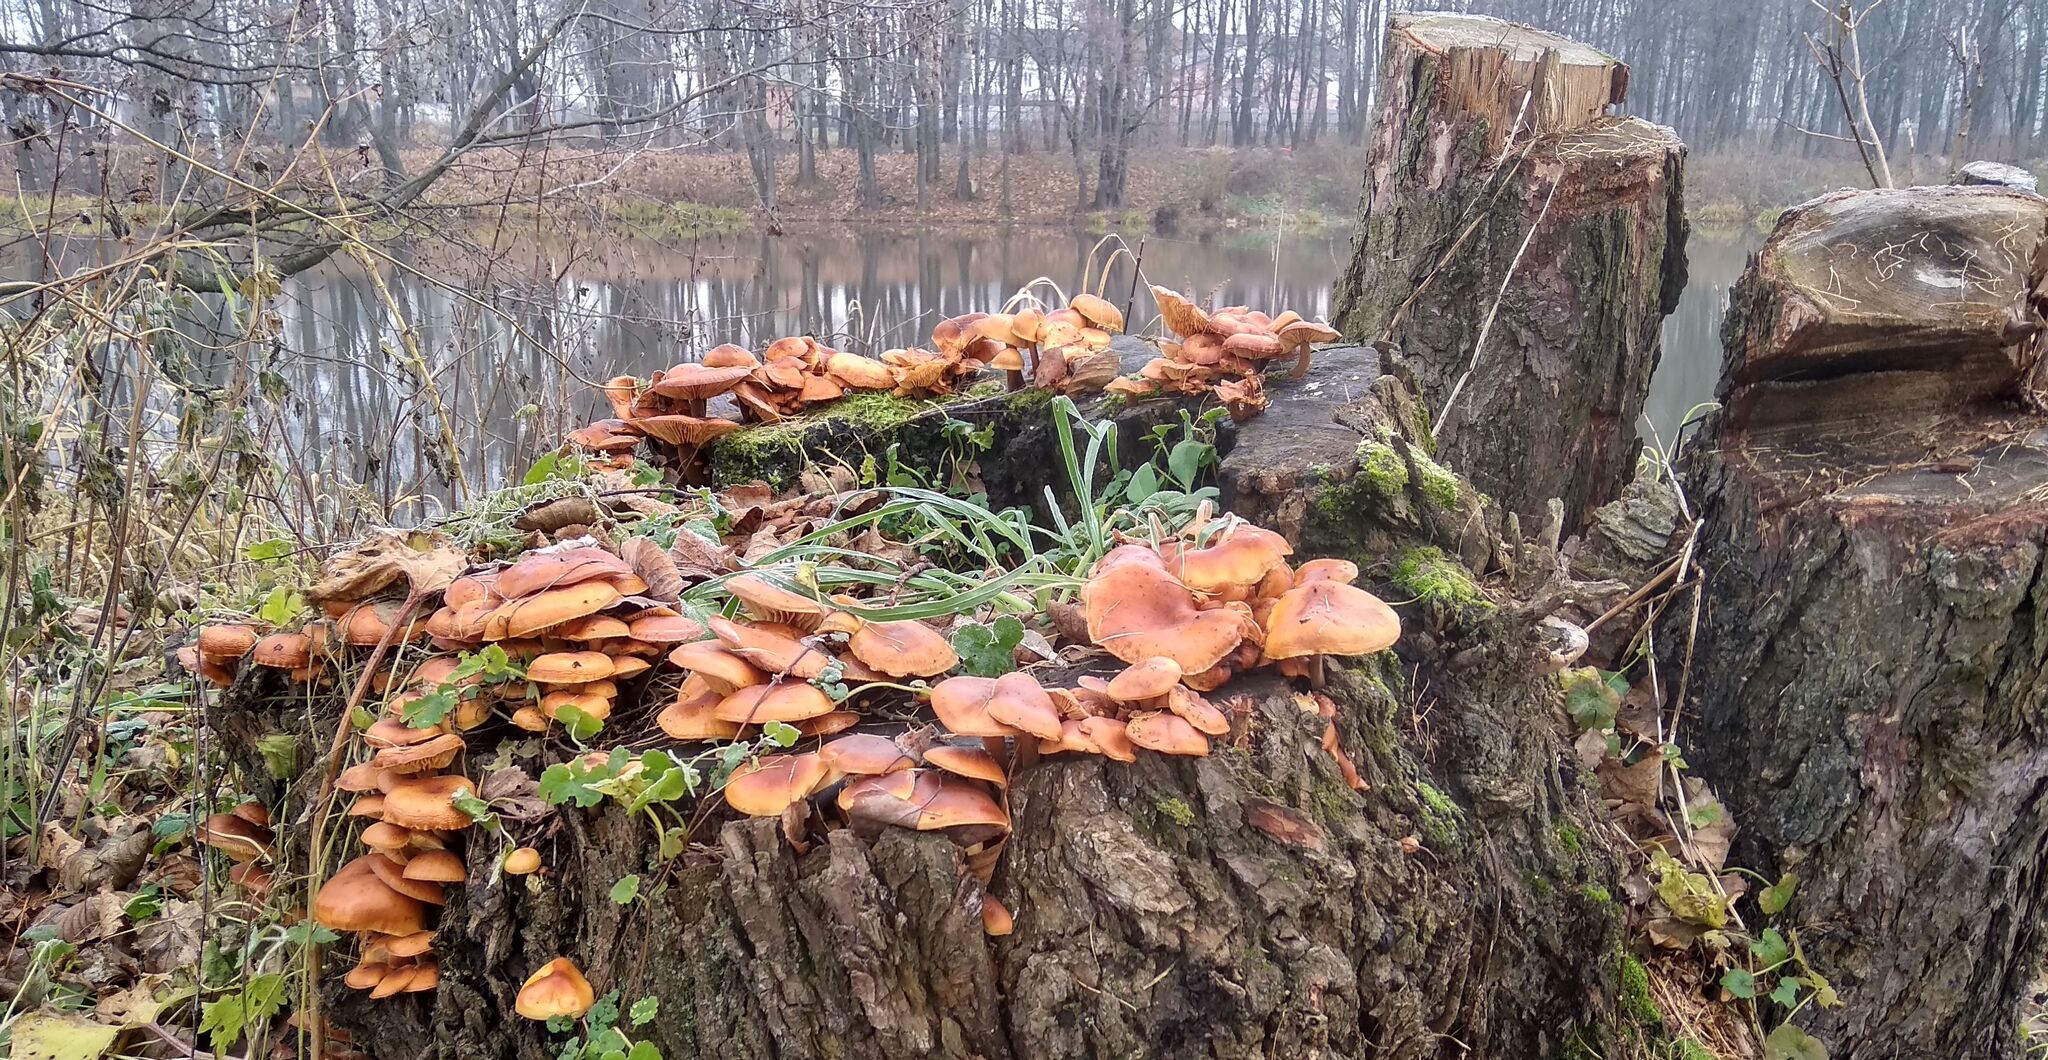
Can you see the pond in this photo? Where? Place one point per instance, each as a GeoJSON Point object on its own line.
{"type": "Point", "coordinates": [514, 354]}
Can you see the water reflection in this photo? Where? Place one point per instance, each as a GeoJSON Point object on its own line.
{"type": "Point", "coordinates": [499, 351]}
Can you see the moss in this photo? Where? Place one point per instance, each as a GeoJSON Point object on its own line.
{"type": "Point", "coordinates": [1583, 1044]}
{"type": "Point", "coordinates": [1382, 470]}
{"type": "Point", "coordinates": [1442, 820]}
{"type": "Point", "coordinates": [1538, 886]}
{"type": "Point", "coordinates": [1175, 809]}
{"type": "Point", "coordinates": [1635, 999]}
{"type": "Point", "coordinates": [1595, 893]}
{"type": "Point", "coordinates": [1687, 1049]}
{"type": "Point", "coordinates": [1569, 837]}
{"type": "Point", "coordinates": [772, 452]}
{"type": "Point", "coordinates": [1429, 575]}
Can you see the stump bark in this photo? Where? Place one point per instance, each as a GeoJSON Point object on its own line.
{"type": "Point", "coordinates": [1869, 681]}
{"type": "Point", "coordinates": [1502, 202]}
{"type": "Point", "coordinates": [1246, 905]}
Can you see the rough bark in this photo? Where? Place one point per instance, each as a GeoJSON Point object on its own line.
{"type": "Point", "coordinates": [1870, 675]}
{"type": "Point", "coordinates": [1501, 202]}
{"type": "Point", "coordinates": [1159, 910]}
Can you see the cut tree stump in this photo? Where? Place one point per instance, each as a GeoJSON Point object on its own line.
{"type": "Point", "coordinates": [1868, 687]}
{"type": "Point", "coordinates": [1246, 905]}
{"type": "Point", "coordinates": [1501, 201]}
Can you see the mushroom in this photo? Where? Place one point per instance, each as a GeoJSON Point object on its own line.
{"type": "Point", "coordinates": [1021, 703]}
{"type": "Point", "coordinates": [356, 900]}
{"type": "Point", "coordinates": [1098, 311]}
{"type": "Point", "coordinates": [770, 602]}
{"type": "Point", "coordinates": [283, 651]}
{"type": "Point", "coordinates": [523, 861]}
{"type": "Point", "coordinates": [1197, 711]}
{"type": "Point", "coordinates": [773, 783]}
{"type": "Point", "coordinates": [1321, 618]}
{"type": "Point", "coordinates": [394, 982]}
{"type": "Point", "coordinates": [427, 755]}
{"type": "Point", "coordinates": [903, 649]}
{"type": "Point", "coordinates": [1236, 560]}
{"type": "Point", "coordinates": [570, 668]}
{"type": "Point", "coordinates": [238, 837]}
{"type": "Point", "coordinates": [995, 917]}
{"type": "Point", "coordinates": [720, 669]}
{"type": "Point", "coordinates": [1166, 733]}
{"type": "Point", "coordinates": [863, 754]}
{"type": "Point", "coordinates": [696, 718]}
{"type": "Point", "coordinates": [428, 803]}
{"type": "Point", "coordinates": [962, 705]}
{"type": "Point", "coordinates": [973, 763]}
{"type": "Point", "coordinates": [538, 572]}
{"type": "Point", "coordinates": [436, 866]}
{"type": "Point", "coordinates": [785, 702]}
{"type": "Point", "coordinates": [557, 989]}
{"type": "Point", "coordinates": [1146, 680]}
{"type": "Point", "coordinates": [529, 615]}
{"type": "Point", "coordinates": [1138, 611]}
{"type": "Point", "coordinates": [771, 649]}
{"type": "Point", "coordinates": [1111, 735]}
{"type": "Point", "coordinates": [1326, 570]}
{"type": "Point", "coordinates": [226, 642]}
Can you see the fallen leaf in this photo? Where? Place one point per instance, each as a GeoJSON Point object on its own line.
{"type": "Point", "coordinates": [1283, 824]}
{"type": "Point", "coordinates": [112, 862]}
{"type": "Point", "coordinates": [93, 918]}
{"type": "Point", "coordinates": [1631, 784]}
{"type": "Point", "coordinates": [664, 581]}
{"type": "Point", "coordinates": [58, 847]}
{"type": "Point", "coordinates": [134, 1005]}
{"type": "Point", "coordinates": [170, 940]}
{"type": "Point", "coordinates": [53, 1036]}
{"type": "Point", "coordinates": [1590, 748]}
{"type": "Point", "coordinates": [425, 560]}
{"type": "Point", "coordinates": [559, 514]}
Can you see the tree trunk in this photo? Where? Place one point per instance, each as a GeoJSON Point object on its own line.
{"type": "Point", "coordinates": [1501, 204]}
{"type": "Point", "coordinates": [1245, 905]}
{"type": "Point", "coordinates": [1871, 667]}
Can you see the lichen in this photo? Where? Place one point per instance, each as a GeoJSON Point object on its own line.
{"type": "Point", "coordinates": [1175, 809]}
{"type": "Point", "coordinates": [1428, 575]}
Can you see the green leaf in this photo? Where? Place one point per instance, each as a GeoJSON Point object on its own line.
{"type": "Point", "coordinates": [1771, 949]}
{"type": "Point", "coordinates": [1773, 899]}
{"type": "Point", "coordinates": [280, 754]}
{"type": "Point", "coordinates": [281, 607]}
{"type": "Point", "coordinates": [1787, 992]}
{"type": "Point", "coordinates": [781, 734]}
{"type": "Point", "coordinates": [644, 1051]}
{"type": "Point", "coordinates": [1589, 698]}
{"type": "Point", "coordinates": [221, 1021]}
{"type": "Point", "coordinates": [148, 903]}
{"type": "Point", "coordinates": [1791, 1043]}
{"type": "Point", "coordinates": [580, 725]}
{"type": "Point", "coordinates": [264, 997]}
{"type": "Point", "coordinates": [1184, 461]}
{"type": "Point", "coordinates": [429, 710]}
{"type": "Point", "coordinates": [1739, 982]}
{"type": "Point", "coordinates": [1143, 484]}
{"type": "Point", "coordinates": [644, 1010]}
{"type": "Point", "coordinates": [989, 651]}
{"type": "Point", "coordinates": [627, 889]}
{"type": "Point", "coordinates": [542, 470]}
{"type": "Point", "coordinates": [308, 933]}
{"type": "Point", "coordinates": [269, 549]}
{"type": "Point", "coordinates": [477, 809]}
{"type": "Point", "coordinates": [601, 1018]}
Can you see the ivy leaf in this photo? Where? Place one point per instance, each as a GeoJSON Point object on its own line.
{"type": "Point", "coordinates": [1787, 992]}
{"type": "Point", "coordinates": [281, 607]}
{"type": "Point", "coordinates": [1590, 698]}
{"type": "Point", "coordinates": [477, 809]}
{"type": "Point", "coordinates": [781, 734]}
{"type": "Point", "coordinates": [644, 1010]}
{"type": "Point", "coordinates": [1738, 982]}
{"type": "Point", "coordinates": [1771, 949]}
{"type": "Point", "coordinates": [580, 725]}
{"type": "Point", "coordinates": [627, 889]}
{"type": "Point", "coordinates": [989, 651]}
{"type": "Point", "coordinates": [1791, 1043]}
{"type": "Point", "coordinates": [1773, 899]}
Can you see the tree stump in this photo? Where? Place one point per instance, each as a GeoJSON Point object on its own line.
{"type": "Point", "coordinates": [1502, 203]}
{"type": "Point", "coordinates": [1869, 679]}
{"type": "Point", "coordinates": [1247, 905]}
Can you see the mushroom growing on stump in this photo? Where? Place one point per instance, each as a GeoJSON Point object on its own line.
{"type": "Point", "coordinates": [1325, 617]}
{"type": "Point", "coordinates": [556, 989]}
{"type": "Point", "coordinates": [773, 783]}
{"type": "Point", "coordinates": [1138, 611]}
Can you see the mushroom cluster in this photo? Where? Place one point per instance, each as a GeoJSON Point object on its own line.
{"type": "Point", "coordinates": [385, 896]}
{"type": "Point", "coordinates": [244, 835]}
{"type": "Point", "coordinates": [1224, 352]}
{"type": "Point", "coordinates": [220, 650]}
{"type": "Point", "coordinates": [1044, 349]}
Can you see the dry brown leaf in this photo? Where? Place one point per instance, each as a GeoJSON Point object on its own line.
{"type": "Point", "coordinates": [169, 940]}
{"type": "Point", "coordinates": [135, 1005]}
{"type": "Point", "coordinates": [424, 560]}
{"type": "Point", "coordinates": [1635, 784]}
{"type": "Point", "coordinates": [550, 516]}
{"type": "Point", "coordinates": [58, 846]}
{"type": "Point", "coordinates": [664, 581]}
{"type": "Point", "coordinates": [114, 861]}
{"type": "Point", "coordinates": [1283, 824]}
{"type": "Point", "coordinates": [1713, 828]}
{"type": "Point", "coordinates": [94, 918]}
{"type": "Point", "coordinates": [698, 559]}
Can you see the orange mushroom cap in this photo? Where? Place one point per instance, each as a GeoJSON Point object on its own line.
{"type": "Point", "coordinates": [1098, 311]}
{"type": "Point", "coordinates": [283, 651]}
{"type": "Point", "coordinates": [695, 718]}
{"type": "Point", "coordinates": [1112, 736]}
{"type": "Point", "coordinates": [865, 754]}
{"type": "Point", "coordinates": [903, 649]}
{"type": "Point", "coordinates": [570, 668]}
{"type": "Point", "coordinates": [1145, 680]}
{"type": "Point", "coordinates": [523, 861]}
{"type": "Point", "coordinates": [436, 866]}
{"type": "Point", "coordinates": [228, 641]}
{"type": "Point", "coordinates": [771, 784]}
{"type": "Point", "coordinates": [1329, 618]}
{"type": "Point", "coordinates": [962, 706]}
{"type": "Point", "coordinates": [1166, 733]}
{"type": "Point", "coordinates": [529, 615]}
{"type": "Point", "coordinates": [973, 763]}
{"type": "Point", "coordinates": [770, 602]}
{"type": "Point", "coordinates": [356, 900]}
{"type": "Point", "coordinates": [697, 382]}
{"type": "Point", "coordinates": [723, 671]}
{"type": "Point", "coordinates": [1021, 703]}
{"type": "Point", "coordinates": [770, 649]}
{"type": "Point", "coordinates": [428, 803]}
{"type": "Point", "coordinates": [557, 989]}
{"type": "Point", "coordinates": [1136, 611]}
{"type": "Point", "coordinates": [785, 702]}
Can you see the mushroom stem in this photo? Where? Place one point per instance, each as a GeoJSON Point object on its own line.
{"type": "Point", "coordinates": [1315, 672]}
{"type": "Point", "coordinates": [1013, 380]}
{"type": "Point", "coordinates": [997, 749]}
{"type": "Point", "coordinates": [1027, 754]}
{"type": "Point", "coordinates": [1301, 361]}
{"type": "Point", "coordinates": [695, 407]}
